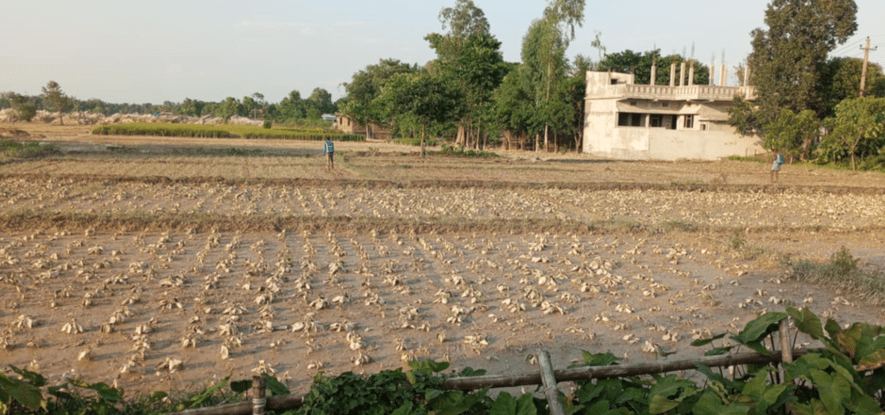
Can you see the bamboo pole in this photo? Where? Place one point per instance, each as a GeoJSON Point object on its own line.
{"type": "Point", "coordinates": [601, 372]}
{"type": "Point", "coordinates": [549, 380]}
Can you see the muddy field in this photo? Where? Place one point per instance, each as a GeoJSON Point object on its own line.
{"type": "Point", "coordinates": [158, 264]}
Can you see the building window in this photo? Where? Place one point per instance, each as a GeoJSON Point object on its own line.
{"type": "Point", "coordinates": [689, 122]}
{"type": "Point", "coordinates": [665, 104]}
{"type": "Point", "coordinates": [629, 119]}
{"type": "Point", "coordinates": [703, 127]}
{"type": "Point", "coordinates": [656, 120]}
{"type": "Point", "coordinates": [614, 81]}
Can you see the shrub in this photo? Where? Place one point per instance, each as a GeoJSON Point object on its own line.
{"type": "Point", "coordinates": [267, 124]}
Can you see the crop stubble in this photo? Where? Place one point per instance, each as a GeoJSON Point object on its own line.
{"type": "Point", "coordinates": [479, 272]}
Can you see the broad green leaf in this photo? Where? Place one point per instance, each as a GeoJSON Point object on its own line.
{"type": "Point", "coordinates": [710, 404]}
{"type": "Point", "coordinates": [429, 366]}
{"type": "Point", "coordinates": [832, 328]}
{"type": "Point", "coordinates": [25, 393]}
{"type": "Point", "coordinates": [833, 390]}
{"type": "Point", "coordinates": [863, 405]}
{"type": "Point", "coordinates": [35, 379]}
{"type": "Point", "coordinates": [660, 404]}
{"type": "Point", "coordinates": [525, 405]}
{"type": "Point", "coordinates": [719, 351]}
{"type": "Point", "coordinates": [240, 386]}
{"type": "Point", "coordinates": [807, 322]}
{"type": "Point", "coordinates": [274, 386]}
{"type": "Point", "coordinates": [757, 329]}
{"type": "Point", "coordinates": [404, 409]}
{"type": "Point", "coordinates": [665, 388]}
{"type": "Point", "coordinates": [599, 359]}
{"type": "Point", "coordinates": [505, 404]}
{"type": "Point", "coordinates": [106, 392]}
{"type": "Point", "coordinates": [872, 361]}
{"type": "Point", "coordinates": [755, 388]}
{"type": "Point", "coordinates": [704, 342]}
{"type": "Point", "coordinates": [469, 371]}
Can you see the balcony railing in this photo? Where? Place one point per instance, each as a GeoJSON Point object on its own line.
{"type": "Point", "coordinates": [680, 93]}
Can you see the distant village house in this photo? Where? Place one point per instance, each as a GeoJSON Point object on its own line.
{"type": "Point", "coordinates": [348, 125]}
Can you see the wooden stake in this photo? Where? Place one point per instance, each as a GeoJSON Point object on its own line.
{"type": "Point", "coordinates": [786, 347]}
{"type": "Point", "coordinates": [259, 402]}
{"type": "Point", "coordinates": [549, 380]}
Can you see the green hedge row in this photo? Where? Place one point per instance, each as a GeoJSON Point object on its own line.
{"type": "Point", "coordinates": [226, 131]}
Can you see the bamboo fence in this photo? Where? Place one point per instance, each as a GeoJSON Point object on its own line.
{"type": "Point", "coordinates": [546, 376]}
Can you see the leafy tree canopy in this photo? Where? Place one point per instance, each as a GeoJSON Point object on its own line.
{"type": "Point", "coordinates": [640, 64]}
{"type": "Point", "coordinates": [789, 56]}
{"type": "Point", "coordinates": [840, 79]}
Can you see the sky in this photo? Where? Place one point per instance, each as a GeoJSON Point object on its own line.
{"type": "Point", "coordinates": [155, 51]}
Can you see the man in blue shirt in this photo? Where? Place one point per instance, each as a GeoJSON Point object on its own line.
{"type": "Point", "coordinates": [329, 151]}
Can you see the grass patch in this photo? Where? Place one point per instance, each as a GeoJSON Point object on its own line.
{"type": "Point", "coordinates": [842, 272]}
{"type": "Point", "coordinates": [222, 131]}
{"type": "Point", "coordinates": [680, 225]}
{"type": "Point", "coordinates": [416, 141]}
{"type": "Point", "coordinates": [750, 159]}
{"type": "Point", "coordinates": [27, 149]}
{"type": "Point", "coordinates": [739, 246]}
{"type": "Point", "coordinates": [452, 151]}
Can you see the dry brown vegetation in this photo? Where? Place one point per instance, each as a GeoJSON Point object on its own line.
{"type": "Point", "coordinates": [159, 263]}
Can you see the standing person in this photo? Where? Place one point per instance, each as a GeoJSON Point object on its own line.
{"type": "Point", "coordinates": [776, 167]}
{"type": "Point", "coordinates": [329, 151]}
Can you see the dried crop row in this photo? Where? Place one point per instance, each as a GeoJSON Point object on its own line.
{"type": "Point", "coordinates": [288, 205]}
{"type": "Point", "coordinates": [188, 305]}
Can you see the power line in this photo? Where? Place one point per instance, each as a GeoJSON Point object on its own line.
{"type": "Point", "coordinates": [845, 48]}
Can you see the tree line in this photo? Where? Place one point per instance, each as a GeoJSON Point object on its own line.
{"type": "Point", "coordinates": [292, 109]}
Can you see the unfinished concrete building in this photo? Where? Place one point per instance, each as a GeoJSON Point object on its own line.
{"type": "Point", "coordinates": [627, 121]}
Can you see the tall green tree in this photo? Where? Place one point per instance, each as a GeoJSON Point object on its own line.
{"type": "Point", "coordinates": [469, 57]}
{"type": "Point", "coordinates": [788, 57]}
{"type": "Point", "coordinates": [858, 129]}
{"type": "Point", "coordinates": [514, 105]}
{"type": "Point", "coordinates": [543, 52]}
{"type": "Point", "coordinates": [291, 108]}
{"type": "Point", "coordinates": [420, 98]}
{"type": "Point", "coordinates": [228, 108]}
{"type": "Point", "coordinates": [55, 100]}
{"type": "Point", "coordinates": [364, 89]}
{"type": "Point", "coordinates": [321, 99]}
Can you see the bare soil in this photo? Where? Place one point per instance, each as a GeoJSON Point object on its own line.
{"type": "Point", "coordinates": [235, 263]}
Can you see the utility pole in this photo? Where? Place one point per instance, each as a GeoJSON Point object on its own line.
{"type": "Point", "coordinates": [866, 58]}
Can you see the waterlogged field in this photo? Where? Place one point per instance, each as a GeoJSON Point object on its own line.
{"type": "Point", "coordinates": [159, 267]}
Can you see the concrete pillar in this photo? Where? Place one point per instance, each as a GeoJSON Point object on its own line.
{"type": "Point", "coordinates": [682, 74]}
{"type": "Point", "coordinates": [723, 76]}
{"type": "Point", "coordinates": [673, 74]}
{"type": "Point", "coordinates": [654, 73]}
{"type": "Point", "coordinates": [712, 73]}
{"type": "Point", "coordinates": [690, 73]}
{"type": "Point", "coordinates": [747, 75]}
